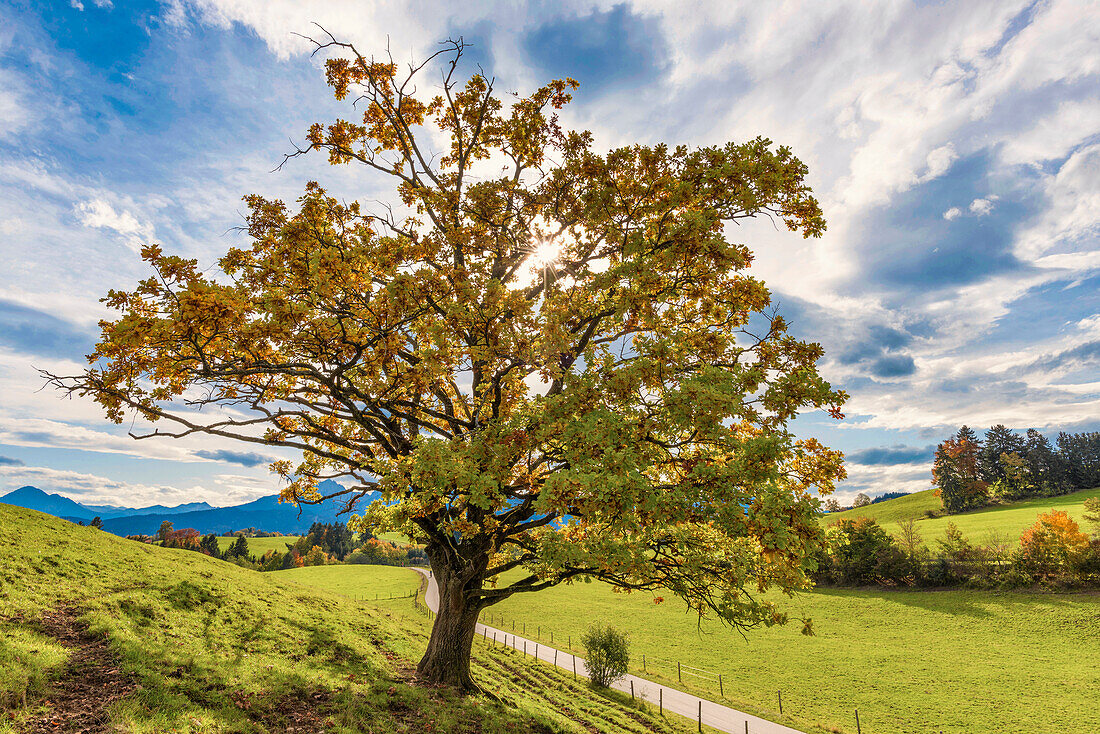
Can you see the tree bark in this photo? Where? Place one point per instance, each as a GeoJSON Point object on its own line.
{"type": "Point", "coordinates": [447, 659]}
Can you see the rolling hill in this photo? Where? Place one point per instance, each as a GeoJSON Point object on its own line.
{"type": "Point", "coordinates": [1005, 520]}
{"type": "Point", "coordinates": [148, 639]}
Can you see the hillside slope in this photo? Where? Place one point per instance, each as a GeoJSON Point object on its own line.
{"type": "Point", "coordinates": [1005, 520]}
{"type": "Point", "coordinates": [181, 642]}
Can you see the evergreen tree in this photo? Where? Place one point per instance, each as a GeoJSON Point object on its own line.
{"type": "Point", "coordinates": [998, 440]}
{"type": "Point", "coordinates": [96, 523]}
{"type": "Point", "coordinates": [209, 545]}
{"type": "Point", "coordinates": [968, 433]}
{"type": "Point", "coordinates": [239, 549]}
{"type": "Point", "coordinates": [166, 529]}
{"type": "Point", "coordinates": [1044, 464]}
{"type": "Point", "coordinates": [1080, 453]}
{"type": "Point", "coordinates": [955, 472]}
{"type": "Point", "coordinates": [340, 541]}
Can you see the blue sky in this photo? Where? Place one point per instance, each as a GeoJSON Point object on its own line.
{"type": "Point", "coordinates": [955, 148]}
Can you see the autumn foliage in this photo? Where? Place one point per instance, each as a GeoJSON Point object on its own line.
{"type": "Point", "coordinates": [1054, 543]}
{"type": "Point", "coordinates": [544, 357]}
{"type": "Point", "coordinates": [957, 475]}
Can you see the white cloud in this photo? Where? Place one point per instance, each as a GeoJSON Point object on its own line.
{"type": "Point", "coordinates": [877, 479]}
{"type": "Point", "coordinates": [223, 490]}
{"type": "Point", "coordinates": [939, 161]}
{"type": "Point", "coordinates": [1071, 221]}
{"type": "Point", "coordinates": [1055, 135]}
{"type": "Point", "coordinates": [981, 207]}
{"type": "Point", "coordinates": [877, 99]}
{"type": "Point", "coordinates": [100, 213]}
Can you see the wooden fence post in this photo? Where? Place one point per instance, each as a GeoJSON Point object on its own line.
{"type": "Point", "coordinates": [643, 665]}
{"type": "Point", "coordinates": [780, 692]}
{"type": "Point", "coordinates": [631, 689]}
{"type": "Point", "coordinates": [721, 690]}
{"type": "Point", "coordinates": [661, 700]}
{"type": "Point", "coordinates": [574, 667]}
{"type": "Point", "coordinates": [679, 675]}
{"type": "Point", "coordinates": [700, 715]}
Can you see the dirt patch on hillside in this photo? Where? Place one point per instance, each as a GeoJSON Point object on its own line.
{"type": "Point", "coordinates": [90, 683]}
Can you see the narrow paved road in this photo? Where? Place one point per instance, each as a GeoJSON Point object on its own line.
{"type": "Point", "coordinates": [714, 714]}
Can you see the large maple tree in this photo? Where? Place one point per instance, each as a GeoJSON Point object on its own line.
{"type": "Point", "coordinates": [544, 358]}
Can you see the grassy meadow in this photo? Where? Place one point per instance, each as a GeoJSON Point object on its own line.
{"type": "Point", "coordinates": [910, 661]}
{"type": "Point", "coordinates": [217, 648]}
{"type": "Point", "coordinates": [1005, 520]}
{"type": "Point", "coordinates": [259, 546]}
{"type": "Point", "coordinates": [356, 581]}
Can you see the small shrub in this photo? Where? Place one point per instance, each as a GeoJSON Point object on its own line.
{"type": "Point", "coordinates": [1052, 545]}
{"type": "Point", "coordinates": [608, 653]}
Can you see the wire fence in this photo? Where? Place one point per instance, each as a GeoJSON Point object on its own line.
{"type": "Point", "coordinates": [379, 597]}
{"type": "Point", "coordinates": [690, 679]}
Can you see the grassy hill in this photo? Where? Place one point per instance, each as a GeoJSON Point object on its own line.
{"type": "Point", "coordinates": [357, 581]}
{"type": "Point", "coordinates": [1006, 520]}
{"type": "Point", "coordinates": [259, 546]}
{"type": "Point", "coordinates": [177, 641]}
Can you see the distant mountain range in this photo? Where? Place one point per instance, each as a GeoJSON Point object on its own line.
{"type": "Point", "coordinates": [265, 513]}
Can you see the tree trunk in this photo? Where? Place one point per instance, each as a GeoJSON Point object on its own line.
{"type": "Point", "coordinates": [447, 659]}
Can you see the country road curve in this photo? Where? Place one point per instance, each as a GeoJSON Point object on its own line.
{"type": "Point", "coordinates": [722, 718]}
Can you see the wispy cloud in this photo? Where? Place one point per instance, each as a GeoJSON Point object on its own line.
{"type": "Point", "coordinates": [955, 148]}
{"type": "Point", "coordinates": [234, 457]}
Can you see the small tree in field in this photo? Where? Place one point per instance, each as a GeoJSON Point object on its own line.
{"type": "Point", "coordinates": [1053, 544]}
{"type": "Point", "coordinates": [607, 654]}
{"type": "Point", "coordinates": [544, 358]}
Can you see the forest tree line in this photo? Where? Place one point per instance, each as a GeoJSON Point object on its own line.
{"type": "Point", "coordinates": [1005, 466]}
{"type": "Point", "coordinates": [324, 544]}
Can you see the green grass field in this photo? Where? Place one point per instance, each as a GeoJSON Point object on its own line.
{"type": "Point", "coordinates": [356, 581]}
{"type": "Point", "coordinates": [1006, 520]}
{"type": "Point", "coordinates": [259, 546]}
{"type": "Point", "coordinates": [911, 661]}
{"type": "Point", "coordinates": [397, 538]}
{"type": "Point", "coordinates": [218, 648]}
